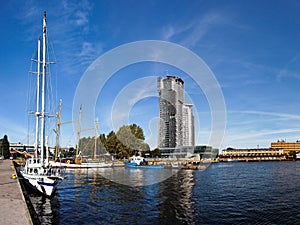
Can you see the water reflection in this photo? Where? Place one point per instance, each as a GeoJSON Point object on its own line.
{"type": "Point", "coordinates": [88, 198]}
{"type": "Point", "coordinates": [134, 176]}
{"type": "Point", "coordinates": [177, 206]}
{"type": "Point", "coordinates": [46, 209]}
{"type": "Point", "coordinates": [260, 193]}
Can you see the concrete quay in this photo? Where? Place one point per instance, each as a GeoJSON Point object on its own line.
{"type": "Point", "coordinates": [13, 208]}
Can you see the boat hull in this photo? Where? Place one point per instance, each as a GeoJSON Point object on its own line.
{"type": "Point", "coordinates": [81, 166]}
{"type": "Point", "coordinates": [134, 165]}
{"type": "Point", "coordinates": [44, 185]}
{"type": "Point", "coordinates": [192, 167]}
{"type": "Point", "coordinates": [231, 160]}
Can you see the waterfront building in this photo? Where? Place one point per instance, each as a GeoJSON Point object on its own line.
{"type": "Point", "coordinates": [287, 147]}
{"type": "Point", "coordinates": [206, 152]}
{"type": "Point", "coordinates": [176, 124]}
{"type": "Point", "coordinates": [179, 153]}
{"type": "Point", "coordinates": [188, 134]}
{"type": "Point", "coordinates": [171, 97]}
{"type": "Point", "coordinates": [255, 154]}
{"type": "Point", "coordinates": [16, 148]}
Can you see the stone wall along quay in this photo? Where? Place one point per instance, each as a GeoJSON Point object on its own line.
{"type": "Point", "coordinates": [13, 209]}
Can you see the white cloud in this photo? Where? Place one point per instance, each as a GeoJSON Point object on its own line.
{"type": "Point", "coordinates": [82, 18]}
{"type": "Point", "coordinates": [68, 26]}
{"type": "Point", "coordinates": [77, 11]}
{"type": "Point", "coordinates": [88, 53]}
{"type": "Point", "coordinates": [190, 34]}
{"type": "Point", "coordinates": [247, 129]}
{"type": "Point", "coordinates": [273, 114]}
{"type": "Point", "coordinates": [291, 69]}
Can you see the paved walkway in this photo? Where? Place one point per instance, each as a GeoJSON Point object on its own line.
{"type": "Point", "coordinates": [13, 209]}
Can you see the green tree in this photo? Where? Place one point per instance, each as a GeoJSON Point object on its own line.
{"type": "Point", "coordinates": [4, 147]}
{"type": "Point", "coordinates": [102, 138]}
{"type": "Point", "coordinates": [128, 141]}
{"type": "Point", "coordinates": [131, 138]}
{"type": "Point", "coordinates": [111, 143]}
{"type": "Point", "coordinates": [137, 131]}
{"type": "Point", "coordinates": [152, 154]}
{"type": "Point", "coordinates": [156, 153]}
{"type": "Point", "coordinates": [123, 151]}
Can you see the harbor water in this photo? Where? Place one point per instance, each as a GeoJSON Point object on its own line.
{"type": "Point", "coordinates": [224, 193]}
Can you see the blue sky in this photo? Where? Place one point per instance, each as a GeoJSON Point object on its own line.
{"type": "Point", "coordinates": [252, 48]}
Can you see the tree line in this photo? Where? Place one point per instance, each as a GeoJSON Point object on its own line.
{"type": "Point", "coordinates": [129, 140]}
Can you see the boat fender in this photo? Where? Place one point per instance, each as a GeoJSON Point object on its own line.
{"type": "Point", "coordinates": [68, 162]}
{"type": "Point", "coordinates": [14, 176]}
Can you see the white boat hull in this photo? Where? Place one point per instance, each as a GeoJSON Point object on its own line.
{"type": "Point", "coordinates": [45, 185]}
{"type": "Point", "coordinates": [80, 166]}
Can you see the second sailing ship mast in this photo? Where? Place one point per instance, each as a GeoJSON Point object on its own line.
{"type": "Point", "coordinates": [58, 131]}
{"type": "Point", "coordinates": [37, 113]}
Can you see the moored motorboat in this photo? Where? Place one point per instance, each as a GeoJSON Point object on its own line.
{"type": "Point", "coordinates": [140, 162]}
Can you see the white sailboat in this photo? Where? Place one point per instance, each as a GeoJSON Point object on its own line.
{"type": "Point", "coordinates": [78, 164]}
{"type": "Point", "coordinates": [37, 172]}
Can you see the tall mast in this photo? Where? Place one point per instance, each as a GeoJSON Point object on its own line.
{"type": "Point", "coordinates": [43, 89]}
{"type": "Point", "coordinates": [96, 137]}
{"type": "Point", "coordinates": [58, 131]}
{"type": "Point", "coordinates": [78, 135]}
{"type": "Point", "coordinates": [37, 113]}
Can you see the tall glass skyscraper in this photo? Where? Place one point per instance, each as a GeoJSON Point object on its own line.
{"type": "Point", "coordinates": [176, 124]}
